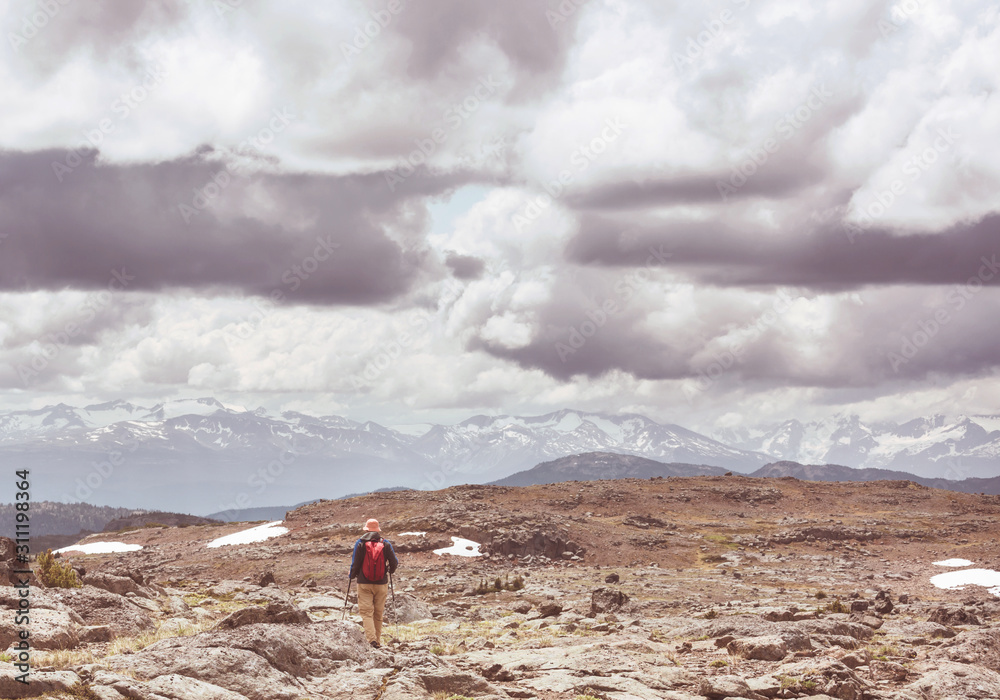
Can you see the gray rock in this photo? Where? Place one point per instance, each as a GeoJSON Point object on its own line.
{"type": "Point", "coordinates": [259, 661]}
{"type": "Point", "coordinates": [50, 629]}
{"type": "Point", "coordinates": [946, 679]}
{"type": "Point", "coordinates": [275, 613]}
{"type": "Point", "coordinates": [119, 585]}
{"type": "Point", "coordinates": [718, 687]}
{"type": "Point", "coordinates": [40, 682]}
{"type": "Point", "coordinates": [770, 648]}
{"type": "Point", "coordinates": [409, 608]}
{"type": "Point", "coordinates": [549, 609]}
{"type": "Point", "coordinates": [981, 647]}
{"type": "Point", "coordinates": [952, 615]}
{"type": "Point", "coordinates": [177, 687]}
{"type": "Point", "coordinates": [96, 606]}
{"type": "Point", "coordinates": [825, 675]}
{"type": "Point", "coordinates": [607, 599]}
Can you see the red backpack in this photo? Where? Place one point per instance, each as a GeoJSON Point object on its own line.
{"type": "Point", "coordinates": [373, 565]}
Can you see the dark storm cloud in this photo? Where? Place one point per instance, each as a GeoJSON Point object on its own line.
{"type": "Point", "coordinates": [827, 257]}
{"type": "Point", "coordinates": [193, 223]}
{"type": "Point", "coordinates": [56, 30]}
{"type": "Point", "coordinates": [465, 267]}
{"type": "Point", "coordinates": [889, 336]}
{"type": "Point", "coordinates": [533, 39]}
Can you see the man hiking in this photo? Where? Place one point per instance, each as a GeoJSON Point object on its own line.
{"type": "Point", "coordinates": [372, 562]}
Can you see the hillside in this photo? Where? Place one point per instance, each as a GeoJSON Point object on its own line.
{"type": "Point", "coordinates": [682, 588]}
{"type": "Point", "coordinates": [836, 472]}
{"type": "Point", "coordinates": [603, 465]}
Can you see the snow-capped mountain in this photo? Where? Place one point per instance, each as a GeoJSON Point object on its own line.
{"type": "Point", "coordinates": [931, 447]}
{"type": "Point", "coordinates": [492, 444]}
{"type": "Point", "coordinates": [203, 456]}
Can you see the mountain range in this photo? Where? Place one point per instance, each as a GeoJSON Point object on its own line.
{"type": "Point", "coordinates": [203, 456]}
{"type": "Point", "coordinates": [934, 447]}
{"type": "Point", "coordinates": [595, 466]}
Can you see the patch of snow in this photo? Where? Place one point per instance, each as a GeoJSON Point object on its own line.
{"type": "Point", "coordinates": [254, 534]}
{"type": "Point", "coordinates": [607, 427]}
{"type": "Point", "coordinates": [461, 548]}
{"type": "Point", "coordinates": [412, 429]}
{"type": "Point", "coordinates": [953, 562]}
{"type": "Point", "coordinates": [957, 580]}
{"type": "Point", "coordinates": [101, 548]}
{"type": "Point", "coordinates": [568, 423]}
{"type": "Point", "coordinates": [414, 534]}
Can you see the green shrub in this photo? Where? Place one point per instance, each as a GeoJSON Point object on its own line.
{"type": "Point", "coordinates": [55, 575]}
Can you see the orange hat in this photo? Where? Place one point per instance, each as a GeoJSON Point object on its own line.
{"type": "Point", "coordinates": [372, 526]}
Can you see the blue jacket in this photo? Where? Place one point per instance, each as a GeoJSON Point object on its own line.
{"type": "Point", "coordinates": [358, 557]}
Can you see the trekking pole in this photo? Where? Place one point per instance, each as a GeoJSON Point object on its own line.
{"type": "Point", "coordinates": [349, 582]}
{"type": "Point", "coordinates": [395, 615]}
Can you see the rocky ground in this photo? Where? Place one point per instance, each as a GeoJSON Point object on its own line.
{"type": "Point", "coordinates": [709, 587]}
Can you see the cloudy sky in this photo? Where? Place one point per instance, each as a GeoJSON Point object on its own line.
{"type": "Point", "coordinates": [714, 213]}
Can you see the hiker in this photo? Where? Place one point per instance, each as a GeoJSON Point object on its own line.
{"type": "Point", "coordinates": [372, 562]}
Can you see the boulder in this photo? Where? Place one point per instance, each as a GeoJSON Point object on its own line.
{"type": "Point", "coordinates": [40, 682]}
{"type": "Point", "coordinates": [405, 609]}
{"type": "Point", "coordinates": [50, 629]}
{"type": "Point", "coordinates": [946, 679]}
{"type": "Point", "coordinates": [612, 578]}
{"type": "Point", "coordinates": [9, 564]}
{"type": "Point", "coordinates": [549, 609]}
{"type": "Point", "coordinates": [952, 615]}
{"type": "Point", "coordinates": [606, 600]}
{"type": "Point", "coordinates": [265, 579]}
{"type": "Point", "coordinates": [275, 613]}
{"type": "Point", "coordinates": [770, 648]}
{"type": "Point", "coordinates": [258, 661]}
{"type": "Point", "coordinates": [717, 687]}
{"type": "Point", "coordinates": [119, 585]}
{"type": "Point", "coordinates": [980, 647]}
{"type": "Point", "coordinates": [825, 675]}
{"type": "Point", "coordinates": [177, 687]}
{"type": "Point", "coordinates": [99, 607]}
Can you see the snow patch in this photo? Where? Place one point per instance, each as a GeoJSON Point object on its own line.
{"type": "Point", "coordinates": [254, 534]}
{"type": "Point", "coordinates": [957, 580]}
{"type": "Point", "coordinates": [461, 548]}
{"type": "Point", "coordinates": [414, 534]}
{"type": "Point", "coordinates": [101, 548]}
{"type": "Point", "coordinates": [953, 562]}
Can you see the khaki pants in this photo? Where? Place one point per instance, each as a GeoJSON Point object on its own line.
{"type": "Point", "coordinates": [371, 605]}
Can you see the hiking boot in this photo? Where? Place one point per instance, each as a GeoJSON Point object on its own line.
{"type": "Point", "coordinates": [376, 645]}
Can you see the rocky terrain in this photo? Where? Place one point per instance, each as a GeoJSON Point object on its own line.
{"type": "Point", "coordinates": [680, 588]}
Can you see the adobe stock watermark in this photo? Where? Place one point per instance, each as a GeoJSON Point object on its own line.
{"type": "Point", "coordinates": [32, 24]}
{"type": "Point", "coordinates": [102, 471]}
{"type": "Point", "coordinates": [928, 328]}
{"type": "Point", "coordinates": [579, 160]}
{"type": "Point", "coordinates": [563, 11]}
{"type": "Point", "coordinates": [292, 279]}
{"type": "Point", "coordinates": [724, 361]}
{"type": "Point", "coordinates": [120, 110]}
{"type": "Point", "coordinates": [697, 44]}
{"type": "Point", "coordinates": [261, 478]}
{"type": "Point", "coordinates": [453, 117]}
{"type": "Point", "coordinates": [367, 32]}
{"type": "Point", "coordinates": [52, 344]}
{"type": "Point", "coordinates": [915, 168]}
{"type": "Point", "coordinates": [899, 15]}
{"type": "Point", "coordinates": [223, 178]}
{"type": "Point", "coordinates": [625, 288]}
{"type": "Point", "coordinates": [223, 8]}
{"type": "Point", "coordinates": [785, 127]}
